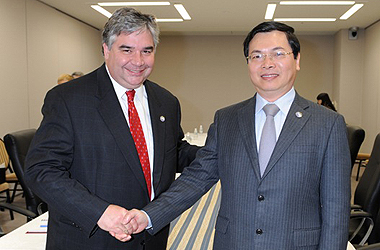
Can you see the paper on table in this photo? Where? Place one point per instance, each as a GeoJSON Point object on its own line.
{"type": "Point", "coordinates": [39, 228]}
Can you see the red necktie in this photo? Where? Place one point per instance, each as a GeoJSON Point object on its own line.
{"type": "Point", "coordinates": [138, 137]}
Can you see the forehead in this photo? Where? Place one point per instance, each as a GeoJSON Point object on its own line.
{"type": "Point", "coordinates": [141, 37]}
{"type": "Point", "coordinates": [269, 40]}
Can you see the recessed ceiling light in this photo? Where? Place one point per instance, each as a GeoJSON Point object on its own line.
{"type": "Point", "coordinates": [182, 11]}
{"type": "Point", "coordinates": [133, 3]}
{"type": "Point", "coordinates": [351, 11]}
{"type": "Point", "coordinates": [317, 2]}
{"type": "Point", "coordinates": [270, 10]}
{"type": "Point", "coordinates": [101, 10]}
{"type": "Point", "coordinates": [305, 19]}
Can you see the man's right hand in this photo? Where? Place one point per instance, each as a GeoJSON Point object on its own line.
{"type": "Point", "coordinates": [137, 220]}
{"type": "Point", "coordinates": [112, 222]}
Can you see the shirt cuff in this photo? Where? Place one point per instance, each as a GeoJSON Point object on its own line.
{"type": "Point", "coordinates": [149, 221]}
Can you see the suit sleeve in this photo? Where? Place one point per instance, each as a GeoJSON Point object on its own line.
{"type": "Point", "coordinates": [336, 189]}
{"type": "Point", "coordinates": [194, 182]}
{"type": "Point", "coordinates": [48, 163]}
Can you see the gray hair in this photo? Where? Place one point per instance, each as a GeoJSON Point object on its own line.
{"type": "Point", "coordinates": [128, 20]}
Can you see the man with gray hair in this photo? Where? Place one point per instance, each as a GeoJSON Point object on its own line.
{"type": "Point", "coordinates": [109, 141]}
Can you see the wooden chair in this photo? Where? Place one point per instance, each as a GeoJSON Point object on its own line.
{"type": "Point", "coordinates": [10, 176]}
{"type": "Point", "coordinates": [4, 188]}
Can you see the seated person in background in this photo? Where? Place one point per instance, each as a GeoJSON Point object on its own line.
{"type": "Point", "coordinates": [324, 100]}
{"type": "Point", "coordinates": [77, 74]}
{"type": "Point", "coordinates": [64, 78]}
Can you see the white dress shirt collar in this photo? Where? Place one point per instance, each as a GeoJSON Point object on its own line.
{"type": "Point", "coordinates": [283, 103]}
{"type": "Point", "coordinates": [120, 90]}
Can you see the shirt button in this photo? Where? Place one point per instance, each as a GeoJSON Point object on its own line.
{"type": "Point", "coordinates": [259, 231]}
{"type": "Point", "coordinates": [260, 198]}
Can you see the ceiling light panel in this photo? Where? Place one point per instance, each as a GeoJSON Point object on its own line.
{"type": "Point", "coordinates": [169, 20]}
{"type": "Point", "coordinates": [163, 11]}
{"type": "Point", "coordinates": [351, 11]}
{"type": "Point", "coordinates": [270, 11]}
{"type": "Point", "coordinates": [110, 4]}
{"type": "Point", "coordinates": [101, 10]}
{"type": "Point", "coordinates": [182, 11]}
{"type": "Point", "coordinates": [305, 19]}
{"type": "Point", "coordinates": [317, 2]}
{"type": "Point", "coordinates": [323, 11]}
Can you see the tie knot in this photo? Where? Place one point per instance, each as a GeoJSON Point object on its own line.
{"type": "Point", "coordinates": [271, 109]}
{"type": "Point", "coordinates": [131, 95]}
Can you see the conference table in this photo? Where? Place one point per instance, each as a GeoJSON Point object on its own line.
{"type": "Point", "coordinates": [193, 230]}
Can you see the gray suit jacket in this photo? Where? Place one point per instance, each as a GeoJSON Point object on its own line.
{"type": "Point", "coordinates": [83, 158]}
{"type": "Point", "coordinates": [301, 202]}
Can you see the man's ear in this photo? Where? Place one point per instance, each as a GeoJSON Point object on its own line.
{"type": "Point", "coordinates": [106, 51]}
{"type": "Point", "coordinates": [298, 59]}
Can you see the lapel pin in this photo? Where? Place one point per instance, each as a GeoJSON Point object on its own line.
{"type": "Point", "coordinates": [162, 118]}
{"type": "Point", "coordinates": [299, 114]}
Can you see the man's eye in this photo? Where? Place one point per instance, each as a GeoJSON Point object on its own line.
{"type": "Point", "coordinates": [127, 51]}
{"type": "Point", "coordinates": [257, 56]}
{"type": "Point", "coordinates": [147, 52]}
{"type": "Point", "coordinates": [279, 54]}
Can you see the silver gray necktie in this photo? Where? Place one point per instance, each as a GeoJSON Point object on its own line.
{"type": "Point", "coordinates": [268, 136]}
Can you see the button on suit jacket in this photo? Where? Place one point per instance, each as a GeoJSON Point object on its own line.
{"type": "Point", "coordinates": [83, 158]}
{"type": "Point", "coordinates": [302, 201]}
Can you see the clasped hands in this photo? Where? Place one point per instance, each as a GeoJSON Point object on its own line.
{"type": "Point", "coordinates": [122, 223]}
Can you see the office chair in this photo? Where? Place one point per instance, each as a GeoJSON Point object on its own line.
{"type": "Point", "coordinates": [17, 145]}
{"type": "Point", "coordinates": [355, 136]}
{"type": "Point", "coordinates": [12, 208]}
{"type": "Point", "coordinates": [366, 199]}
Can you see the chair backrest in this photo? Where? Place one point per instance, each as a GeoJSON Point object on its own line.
{"type": "Point", "coordinates": [367, 193]}
{"type": "Point", "coordinates": [17, 145]}
{"type": "Point", "coordinates": [355, 139]}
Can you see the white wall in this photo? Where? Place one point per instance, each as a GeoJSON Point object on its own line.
{"type": "Point", "coordinates": [348, 68]}
{"type": "Point", "coordinates": [38, 44]}
{"type": "Point", "coordinates": [207, 73]}
{"type": "Point", "coordinates": [13, 66]}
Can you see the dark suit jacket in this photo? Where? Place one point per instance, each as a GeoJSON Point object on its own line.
{"type": "Point", "coordinates": [301, 202]}
{"type": "Point", "coordinates": [83, 158]}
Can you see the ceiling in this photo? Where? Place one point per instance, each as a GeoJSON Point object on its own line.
{"type": "Point", "coordinates": [220, 17]}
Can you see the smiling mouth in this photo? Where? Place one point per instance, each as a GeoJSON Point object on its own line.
{"type": "Point", "coordinates": [269, 75]}
{"type": "Point", "coordinates": [136, 71]}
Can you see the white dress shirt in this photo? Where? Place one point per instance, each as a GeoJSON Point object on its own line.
{"type": "Point", "coordinates": [142, 107]}
{"type": "Point", "coordinates": [283, 103]}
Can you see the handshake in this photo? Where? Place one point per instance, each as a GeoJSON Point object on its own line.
{"type": "Point", "coordinates": [122, 223]}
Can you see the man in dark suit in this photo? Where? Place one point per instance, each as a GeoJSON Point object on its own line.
{"type": "Point", "coordinates": [300, 198]}
{"type": "Point", "coordinates": [86, 158]}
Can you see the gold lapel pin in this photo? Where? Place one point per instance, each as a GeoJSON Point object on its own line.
{"type": "Point", "coordinates": [162, 118]}
{"type": "Point", "coordinates": [299, 114]}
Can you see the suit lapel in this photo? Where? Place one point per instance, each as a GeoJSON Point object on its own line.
{"type": "Point", "coordinates": [113, 116]}
{"type": "Point", "coordinates": [246, 118]}
{"type": "Point", "coordinates": [158, 120]}
{"type": "Point", "coordinates": [295, 121]}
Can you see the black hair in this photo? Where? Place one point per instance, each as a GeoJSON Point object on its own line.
{"type": "Point", "coordinates": [271, 26]}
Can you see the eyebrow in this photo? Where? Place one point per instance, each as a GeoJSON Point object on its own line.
{"type": "Point", "coordinates": [131, 47]}
{"type": "Point", "coordinates": [273, 49]}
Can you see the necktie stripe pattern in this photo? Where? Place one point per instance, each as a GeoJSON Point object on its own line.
{"type": "Point", "coordinates": [268, 136]}
{"type": "Point", "coordinates": [139, 138]}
